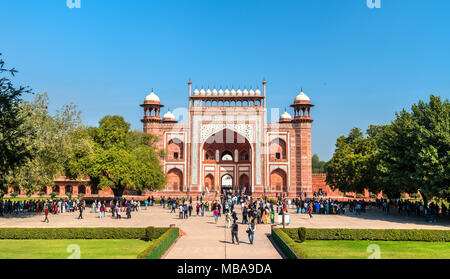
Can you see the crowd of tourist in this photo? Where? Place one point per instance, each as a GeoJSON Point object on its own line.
{"type": "Point", "coordinates": [431, 212]}
{"type": "Point", "coordinates": [262, 210]}
{"type": "Point", "coordinates": [20, 207]}
{"type": "Point", "coordinates": [11, 208]}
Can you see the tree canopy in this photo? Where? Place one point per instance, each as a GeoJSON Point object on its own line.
{"type": "Point", "coordinates": [119, 158]}
{"type": "Point", "coordinates": [317, 165]}
{"type": "Point", "coordinates": [13, 132]}
{"type": "Point", "coordinates": [351, 167]}
{"type": "Point", "coordinates": [414, 150]}
{"type": "Point", "coordinates": [410, 154]}
{"type": "Point", "coordinates": [51, 146]}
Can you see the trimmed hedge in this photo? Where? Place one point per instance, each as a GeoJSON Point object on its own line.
{"type": "Point", "coordinates": [159, 246]}
{"type": "Point", "coordinates": [301, 233]}
{"type": "Point", "coordinates": [372, 234]}
{"type": "Point", "coordinates": [82, 233]}
{"type": "Point", "coordinates": [287, 245]}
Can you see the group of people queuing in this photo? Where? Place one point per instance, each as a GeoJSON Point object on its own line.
{"type": "Point", "coordinates": [48, 207]}
{"type": "Point", "coordinates": [33, 206]}
{"type": "Point", "coordinates": [431, 211]}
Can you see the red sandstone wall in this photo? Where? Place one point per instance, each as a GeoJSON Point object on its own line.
{"type": "Point", "coordinates": [318, 180]}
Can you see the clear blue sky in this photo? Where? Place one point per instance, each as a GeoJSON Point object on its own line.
{"type": "Point", "coordinates": [358, 65]}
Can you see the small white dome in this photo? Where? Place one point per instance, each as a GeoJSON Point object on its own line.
{"type": "Point", "coordinates": [220, 91]}
{"type": "Point", "coordinates": [233, 92]}
{"type": "Point", "coordinates": [245, 92]}
{"type": "Point", "coordinates": [239, 92]}
{"type": "Point", "coordinates": [251, 92]}
{"type": "Point", "coordinates": [169, 116]}
{"type": "Point", "coordinates": [208, 92]}
{"type": "Point", "coordinates": [302, 97]}
{"type": "Point", "coordinates": [196, 92]}
{"type": "Point", "coordinates": [214, 92]}
{"type": "Point", "coordinates": [257, 92]}
{"type": "Point", "coordinates": [152, 97]}
{"type": "Point", "coordinates": [202, 92]}
{"type": "Point", "coordinates": [227, 92]}
{"type": "Point", "coordinates": [286, 116]}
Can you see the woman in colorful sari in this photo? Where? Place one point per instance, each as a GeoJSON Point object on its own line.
{"type": "Point", "coordinates": [266, 217]}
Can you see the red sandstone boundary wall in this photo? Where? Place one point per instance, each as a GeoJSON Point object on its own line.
{"type": "Point", "coordinates": [318, 182]}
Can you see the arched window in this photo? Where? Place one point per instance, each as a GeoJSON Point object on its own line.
{"type": "Point", "coordinates": [81, 189]}
{"type": "Point", "coordinates": [227, 180]}
{"type": "Point", "coordinates": [209, 155]}
{"type": "Point", "coordinates": [175, 149]}
{"type": "Point", "coordinates": [278, 149]}
{"type": "Point", "coordinates": [227, 156]}
{"type": "Point", "coordinates": [68, 189]}
{"type": "Point", "coordinates": [243, 156]}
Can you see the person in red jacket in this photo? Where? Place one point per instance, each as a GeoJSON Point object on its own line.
{"type": "Point", "coordinates": [46, 213]}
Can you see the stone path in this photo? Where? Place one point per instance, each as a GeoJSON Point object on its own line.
{"type": "Point", "coordinates": [205, 239]}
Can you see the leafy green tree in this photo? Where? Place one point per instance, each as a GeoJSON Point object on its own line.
{"type": "Point", "coordinates": [51, 145]}
{"type": "Point", "coordinates": [317, 165]}
{"type": "Point", "coordinates": [13, 133]}
{"type": "Point", "coordinates": [352, 167]}
{"type": "Point", "coordinates": [118, 158]}
{"type": "Point", "coordinates": [414, 151]}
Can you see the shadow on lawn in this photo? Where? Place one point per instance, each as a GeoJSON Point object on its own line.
{"type": "Point", "coordinates": [376, 214]}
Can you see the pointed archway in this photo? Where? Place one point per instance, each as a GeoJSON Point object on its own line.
{"type": "Point", "coordinates": [244, 184]}
{"type": "Point", "coordinates": [278, 181]}
{"type": "Point", "coordinates": [175, 179]}
{"type": "Point", "coordinates": [227, 153]}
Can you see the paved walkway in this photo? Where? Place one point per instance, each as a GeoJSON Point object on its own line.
{"type": "Point", "coordinates": [205, 239]}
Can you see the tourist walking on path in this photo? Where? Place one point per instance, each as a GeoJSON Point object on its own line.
{"type": "Point", "coordinates": [310, 209]}
{"type": "Point", "coordinates": [118, 212]}
{"type": "Point", "coordinates": [113, 209]}
{"type": "Point", "coordinates": [251, 231]}
{"type": "Point", "coordinates": [81, 209]}
{"type": "Point", "coordinates": [244, 215]}
{"type": "Point", "coordinates": [234, 232]}
{"type": "Point", "coordinates": [216, 214]}
{"type": "Point", "coordinates": [129, 211]}
{"type": "Point", "coordinates": [180, 209]}
{"type": "Point", "coordinates": [46, 213]}
{"type": "Point", "coordinates": [228, 219]}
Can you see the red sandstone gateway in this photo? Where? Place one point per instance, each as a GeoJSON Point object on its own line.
{"type": "Point", "coordinates": [227, 144]}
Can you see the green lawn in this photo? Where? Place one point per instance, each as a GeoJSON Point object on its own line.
{"type": "Point", "coordinates": [350, 249]}
{"type": "Point", "coordinates": [57, 249]}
